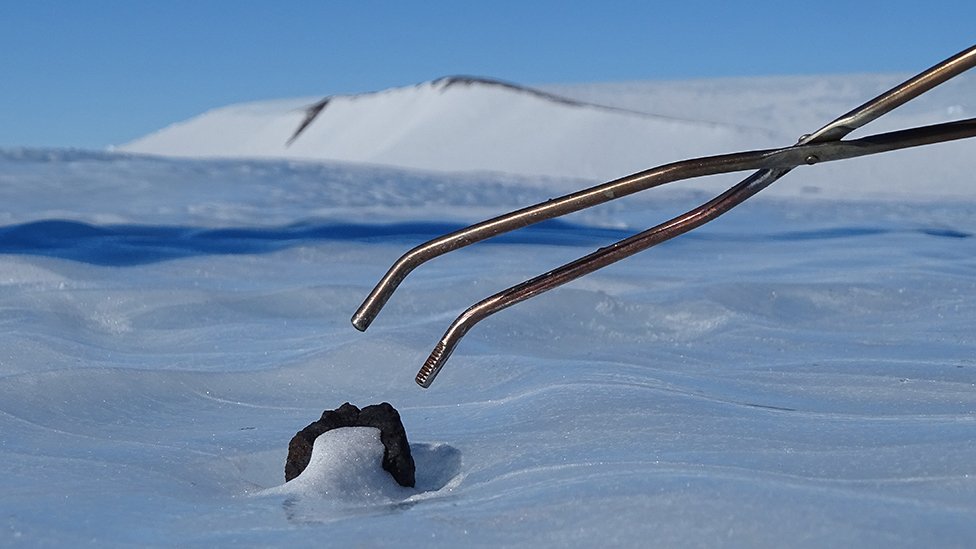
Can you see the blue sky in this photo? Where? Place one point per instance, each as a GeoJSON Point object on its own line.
{"type": "Point", "coordinates": [98, 72]}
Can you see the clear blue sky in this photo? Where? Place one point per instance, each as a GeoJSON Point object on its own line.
{"type": "Point", "coordinates": [92, 73]}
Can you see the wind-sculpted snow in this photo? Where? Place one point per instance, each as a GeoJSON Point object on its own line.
{"type": "Point", "coordinates": [799, 373]}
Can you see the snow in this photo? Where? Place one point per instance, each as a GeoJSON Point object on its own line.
{"type": "Point", "coordinates": [798, 373]}
{"type": "Point", "coordinates": [597, 133]}
{"type": "Point", "coordinates": [346, 465]}
{"type": "Point", "coordinates": [345, 473]}
{"type": "Point", "coordinates": [428, 126]}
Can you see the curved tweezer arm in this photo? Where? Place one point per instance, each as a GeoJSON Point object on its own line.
{"type": "Point", "coordinates": [824, 145]}
{"type": "Point", "coordinates": [670, 229]}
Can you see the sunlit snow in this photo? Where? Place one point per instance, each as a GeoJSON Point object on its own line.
{"type": "Point", "coordinates": [801, 372]}
{"type": "Point", "coordinates": [596, 132]}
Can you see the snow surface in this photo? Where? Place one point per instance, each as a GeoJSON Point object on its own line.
{"type": "Point", "coordinates": [801, 372]}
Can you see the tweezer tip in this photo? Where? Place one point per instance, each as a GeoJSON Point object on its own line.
{"type": "Point", "coordinates": [363, 318]}
{"type": "Point", "coordinates": [432, 366]}
{"type": "Point", "coordinates": [359, 324]}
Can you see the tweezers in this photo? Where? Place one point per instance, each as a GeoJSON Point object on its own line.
{"type": "Point", "coordinates": [823, 145]}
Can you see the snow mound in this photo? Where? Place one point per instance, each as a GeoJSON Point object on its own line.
{"type": "Point", "coordinates": [346, 465]}
{"type": "Point", "coordinates": [345, 474]}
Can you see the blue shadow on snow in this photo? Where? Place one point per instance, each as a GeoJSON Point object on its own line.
{"type": "Point", "coordinates": [127, 245]}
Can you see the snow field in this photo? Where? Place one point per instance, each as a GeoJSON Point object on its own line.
{"type": "Point", "coordinates": [798, 373]}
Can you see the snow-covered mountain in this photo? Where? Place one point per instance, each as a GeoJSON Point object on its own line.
{"type": "Point", "coordinates": [452, 124]}
{"type": "Point", "coordinates": [594, 132]}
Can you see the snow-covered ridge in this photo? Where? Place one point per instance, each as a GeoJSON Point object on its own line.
{"type": "Point", "coordinates": [443, 83]}
{"type": "Point", "coordinates": [456, 123]}
{"type": "Point", "coordinates": [594, 132]}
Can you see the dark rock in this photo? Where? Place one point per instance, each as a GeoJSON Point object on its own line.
{"type": "Point", "coordinates": [397, 459]}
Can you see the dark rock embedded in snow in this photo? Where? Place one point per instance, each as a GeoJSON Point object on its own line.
{"type": "Point", "coordinates": [397, 459]}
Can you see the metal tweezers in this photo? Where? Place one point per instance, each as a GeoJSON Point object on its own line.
{"type": "Point", "coordinates": [823, 145]}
